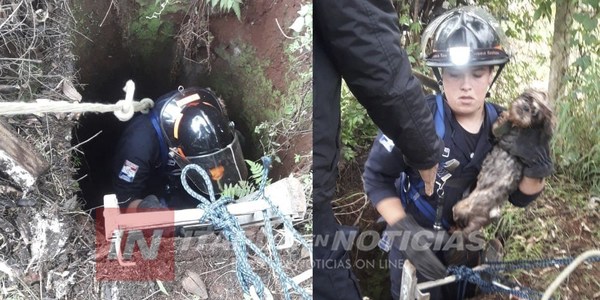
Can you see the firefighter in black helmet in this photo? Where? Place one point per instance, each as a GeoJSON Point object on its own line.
{"type": "Point", "coordinates": [185, 126]}
{"type": "Point", "coordinates": [466, 49]}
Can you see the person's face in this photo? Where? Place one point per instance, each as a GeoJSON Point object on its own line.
{"type": "Point", "coordinates": [465, 88]}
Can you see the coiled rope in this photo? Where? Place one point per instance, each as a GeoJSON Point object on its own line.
{"type": "Point", "coordinates": [216, 212]}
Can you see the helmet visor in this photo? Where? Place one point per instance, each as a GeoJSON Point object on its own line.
{"type": "Point", "coordinates": [224, 167]}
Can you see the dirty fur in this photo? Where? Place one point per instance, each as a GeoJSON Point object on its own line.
{"type": "Point", "coordinates": [501, 173]}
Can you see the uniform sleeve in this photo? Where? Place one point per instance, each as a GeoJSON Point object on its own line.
{"type": "Point", "coordinates": [363, 39]}
{"type": "Point", "coordinates": [517, 198]}
{"type": "Point", "coordinates": [134, 161]}
{"type": "Point", "coordinates": [382, 168]}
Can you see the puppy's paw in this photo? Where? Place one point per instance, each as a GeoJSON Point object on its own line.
{"type": "Point", "coordinates": [462, 213]}
{"type": "Point", "coordinates": [502, 125]}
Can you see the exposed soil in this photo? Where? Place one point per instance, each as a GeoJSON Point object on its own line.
{"type": "Point", "coordinates": [258, 27]}
{"type": "Point", "coordinates": [263, 25]}
{"type": "Point", "coordinates": [293, 147]}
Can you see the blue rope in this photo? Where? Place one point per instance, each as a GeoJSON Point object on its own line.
{"type": "Point", "coordinates": [467, 274]}
{"type": "Point", "coordinates": [215, 211]}
{"type": "Point", "coordinates": [493, 268]}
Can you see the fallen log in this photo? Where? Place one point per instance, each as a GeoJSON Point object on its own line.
{"type": "Point", "coordinates": [18, 159]}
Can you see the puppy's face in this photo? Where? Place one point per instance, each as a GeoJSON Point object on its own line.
{"type": "Point", "coordinates": [531, 109]}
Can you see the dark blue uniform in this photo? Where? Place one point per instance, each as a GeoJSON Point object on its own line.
{"type": "Point", "coordinates": [139, 168]}
{"type": "Point", "coordinates": [385, 164]}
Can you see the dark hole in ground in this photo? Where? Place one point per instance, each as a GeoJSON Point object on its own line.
{"type": "Point", "coordinates": [95, 163]}
{"type": "Point", "coordinates": [105, 86]}
{"type": "Point", "coordinates": [104, 67]}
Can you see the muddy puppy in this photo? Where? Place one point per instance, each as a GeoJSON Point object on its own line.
{"type": "Point", "coordinates": [501, 173]}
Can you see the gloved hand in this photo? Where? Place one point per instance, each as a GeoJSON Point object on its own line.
{"type": "Point", "coordinates": [464, 249]}
{"type": "Point", "coordinates": [416, 248]}
{"type": "Point", "coordinates": [532, 147]}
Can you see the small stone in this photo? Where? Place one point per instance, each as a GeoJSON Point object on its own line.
{"type": "Point", "coordinates": [26, 202]}
{"type": "Point", "coordinates": [195, 285]}
{"type": "Point", "coordinates": [593, 203]}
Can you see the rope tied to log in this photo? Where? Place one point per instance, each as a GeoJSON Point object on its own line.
{"type": "Point", "coordinates": [216, 212]}
{"type": "Point", "coordinates": [123, 109]}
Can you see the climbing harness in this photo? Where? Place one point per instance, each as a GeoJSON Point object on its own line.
{"type": "Point", "coordinates": [409, 189]}
{"type": "Point", "coordinates": [123, 109]}
{"type": "Point", "coordinates": [217, 214]}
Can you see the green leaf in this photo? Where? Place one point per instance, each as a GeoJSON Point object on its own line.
{"type": "Point", "coordinates": [415, 26]}
{"type": "Point", "coordinates": [537, 14]}
{"type": "Point", "coordinates": [593, 3]}
{"type": "Point", "coordinates": [588, 23]}
{"type": "Point", "coordinates": [236, 10]}
{"type": "Point", "coordinates": [404, 20]}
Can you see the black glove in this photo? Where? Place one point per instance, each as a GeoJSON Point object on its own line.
{"type": "Point", "coordinates": [464, 249]}
{"type": "Point", "coordinates": [532, 147]}
{"type": "Point", "coordinates": [415, 248]}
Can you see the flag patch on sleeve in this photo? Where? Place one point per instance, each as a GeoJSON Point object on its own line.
{"type": "Point", "coordinates": [387, 143]}
{"type": "Point", "coordinates": [128, 171]}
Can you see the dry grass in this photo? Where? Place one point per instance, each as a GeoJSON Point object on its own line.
{"type": "Point", "coordinates": [194, 34]}
{"type": "Point", "coordinates": [35, 49]}
{"type": "Point", "coordinates": [48, 247]}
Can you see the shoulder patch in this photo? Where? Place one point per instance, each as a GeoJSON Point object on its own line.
{"type": "Point", "coordinates": [386, 142]}
{"type": "Point", "coordinates": [128, 171]}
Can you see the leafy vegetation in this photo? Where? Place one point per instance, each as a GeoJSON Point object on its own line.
{"type": "Point", "coordinates": [227, 5]}
{"type": "Point", "coordinates": [357, 130]}
{"type": "Point", "coordinates": [246, 187]}
{"type": "Point", "coordinates": [577, 146]}
{"type": "Point", "coordinates": [295, 115]}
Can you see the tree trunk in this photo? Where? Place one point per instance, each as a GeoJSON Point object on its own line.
{"type": "Point", "coordinates": [559, 57]}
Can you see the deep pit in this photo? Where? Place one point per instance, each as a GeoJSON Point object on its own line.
{"type": "Point", "coordinates": [248, 69]}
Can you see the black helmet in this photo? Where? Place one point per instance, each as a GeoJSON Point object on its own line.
{"type": "Point", "coordinates": [197, 130]}
{"type": "Point", "coordinates": [464, 36]}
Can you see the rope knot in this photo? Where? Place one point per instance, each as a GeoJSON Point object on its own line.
{"type": "Point", "coordinates": [146, 105]}
{"type": "Point", "coordinates": [126, 110]}
{"type": "Point", "coordinates": [461, 272]}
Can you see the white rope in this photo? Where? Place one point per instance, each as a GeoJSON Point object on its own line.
{"type": "Point", "coordinates": [567, 271]}
{"type": "Point", "coordinates": [123, 109]}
